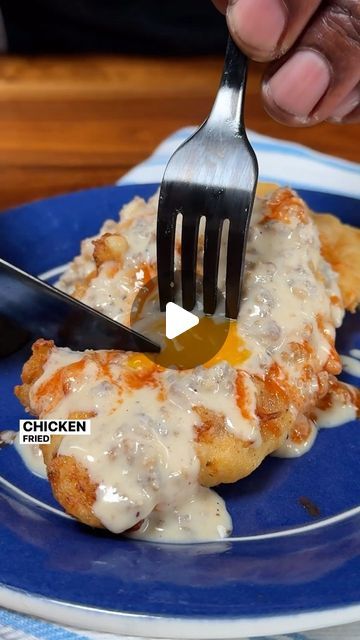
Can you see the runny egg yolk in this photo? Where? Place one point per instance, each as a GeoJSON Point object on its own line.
{"type": "Point", "coordinates": [233, 351]}
{"type": "Point", "coordinates": [191, 348]}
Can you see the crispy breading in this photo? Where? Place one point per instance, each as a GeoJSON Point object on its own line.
{"type": "Point", "coordinates": [110, 247]}
{"type": "Point", "coordinates": [32, 370]}
{"type": "Point", "coordinates": [223, 456]}
{"type": "Point", "coordinates": [73, 488]}
{"type": "Point", "coordinates": [340, 246]}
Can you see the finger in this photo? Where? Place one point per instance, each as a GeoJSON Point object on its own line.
{"type": "Point", "coordinates": [345, 111]}
{"type": "Point", "coordinates": [221, 5]}
{"type": "Point", "coordinates": [352, 117]}
{"type": "Point", "coordinates": [266, 29]}
{"type": "Point", "coordinates": [322, 69]}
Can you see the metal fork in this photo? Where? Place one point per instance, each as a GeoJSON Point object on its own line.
{"type": "Point", "coordinates": [212, 174]}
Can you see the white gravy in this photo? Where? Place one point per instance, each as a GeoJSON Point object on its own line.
{"type": "Point", "coordinates": [291, 449]}
{"type": "Point", "coordinates": [338, 414]}
{"type": "Point", "coordinates": [205, 512]}
{"type": "Point", "coordinates": [7, 437]}
{"type": "Point", "coordinates": [141, 452]}
{"type": "Point", "coordinates": [32, 457]}
{"type": "Point", "coordinates": [351, 363]}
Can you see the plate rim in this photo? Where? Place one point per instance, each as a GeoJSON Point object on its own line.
{"type": "Point", "coordinates": [164, 626]}
{"type": "Point", "coordinates": [146, 626]}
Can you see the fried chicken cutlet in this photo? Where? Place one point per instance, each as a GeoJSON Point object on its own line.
{"type": "Point", "coordinates": [159, 435]}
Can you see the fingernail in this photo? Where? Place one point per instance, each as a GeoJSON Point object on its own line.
{"type": "Point", "coordinates": [259, 24]}
{"type": "Point", "coordinates": [300, 83]}
{"type": "Point", "coordinates": [346, 106]}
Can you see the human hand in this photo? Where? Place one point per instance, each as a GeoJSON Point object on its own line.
{"type": "Point", "coordinates": [314, 46]}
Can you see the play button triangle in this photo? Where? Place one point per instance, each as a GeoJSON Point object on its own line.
{"type": "Point", "coordinates": [178, 320]}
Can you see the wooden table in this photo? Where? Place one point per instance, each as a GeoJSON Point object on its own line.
{"type": "Point", "coordinates": [75, 122]}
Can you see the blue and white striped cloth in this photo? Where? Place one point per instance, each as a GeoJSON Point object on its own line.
{"type": "Point", "coordinates": [281, 162]}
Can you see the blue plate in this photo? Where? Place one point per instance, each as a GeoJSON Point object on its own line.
{"type": "Point", "coordinates": [283, 570]}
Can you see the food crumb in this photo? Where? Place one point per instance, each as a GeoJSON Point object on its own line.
{"type": "Point", "coordinates": [311, 508]}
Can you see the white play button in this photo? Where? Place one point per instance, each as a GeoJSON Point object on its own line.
{"type": "Point", "coordinates": [178, 320]}
{"type": "Point", "coordinates": [186, 340]}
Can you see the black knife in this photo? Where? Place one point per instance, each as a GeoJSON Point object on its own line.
{"type": "Point", "coordinates": [30, 308]}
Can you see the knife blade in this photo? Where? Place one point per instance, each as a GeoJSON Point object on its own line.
{"type": "Point", "coordinates": [40, 310]}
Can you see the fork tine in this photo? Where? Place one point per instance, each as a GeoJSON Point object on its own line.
{"type": "Point", "coordinates": [212, 240]}
{"type": "Point", "coordinates": [212, 174]}
{"type": "Point", "coordinates": [189, 242]}
{"type": "Point", "coordinates": [234, 268]}
{"type": "Point", "coordinates": [165, 247]}
{"type": "Point", "coordinates": [236, 257]}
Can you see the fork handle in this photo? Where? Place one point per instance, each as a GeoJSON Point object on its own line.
{"type": "Point", "coordinates": [228, 107]}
